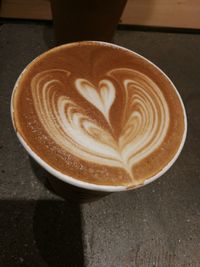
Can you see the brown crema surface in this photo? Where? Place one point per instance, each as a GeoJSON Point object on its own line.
{"type": "Point", "coordinates": [99, 113]}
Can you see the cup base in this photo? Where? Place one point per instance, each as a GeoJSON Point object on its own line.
{"type": "Point", "coordinates": [73, 193]}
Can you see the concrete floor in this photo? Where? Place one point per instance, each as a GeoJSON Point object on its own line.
{"type": "Point", "coordinates": [157, 225]}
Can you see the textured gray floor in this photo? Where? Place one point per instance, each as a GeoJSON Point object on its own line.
{"type": "Point", "coordinates": [157, 225]}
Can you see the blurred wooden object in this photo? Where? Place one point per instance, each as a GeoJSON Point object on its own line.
{"type": "Point", "coordinates": [167, 13]}
{"type": "Point", "coordinates": [26, 9]}
{"type": "Point", "coordinates": [159, 13]}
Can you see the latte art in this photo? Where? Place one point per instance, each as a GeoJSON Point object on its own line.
{"type": "Point", "coordinates": [98, 114]}
{"type": "Point", "coordinates": [101, 99]}
{"type": "Point", "coordinates": [145, 117]}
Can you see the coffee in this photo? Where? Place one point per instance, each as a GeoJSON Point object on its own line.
{"type": "Point", "coordinates": [99, 113]}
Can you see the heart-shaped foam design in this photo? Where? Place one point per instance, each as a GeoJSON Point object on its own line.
{"type": "Point", "coordinates": [102, 98]}
{"type": "Point", "coordinates": [145, 117]}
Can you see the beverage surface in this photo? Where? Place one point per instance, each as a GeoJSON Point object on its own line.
{"type": "Point", "coordinates": [99, 113]}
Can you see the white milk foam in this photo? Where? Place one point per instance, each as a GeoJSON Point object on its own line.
{"type": "Point", "coordinates": [145, 117]}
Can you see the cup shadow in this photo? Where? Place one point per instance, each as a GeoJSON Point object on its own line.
{"type": "Point", "coordinates": [57, 226]}
{"type": "Point", "coordinates": [57, 232]}
{"type": "Point", "coordinates": [40, 233]}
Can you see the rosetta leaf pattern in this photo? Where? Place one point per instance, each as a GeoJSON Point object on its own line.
{"type": "Point", "coordinates": [145, 117]}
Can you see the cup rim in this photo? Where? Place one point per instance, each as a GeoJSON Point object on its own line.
{"type": "Point", "coordinates": [77, 182]}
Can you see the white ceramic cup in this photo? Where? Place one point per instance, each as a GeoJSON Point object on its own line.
{"type": "Point", "coordinates": [85, 186]}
